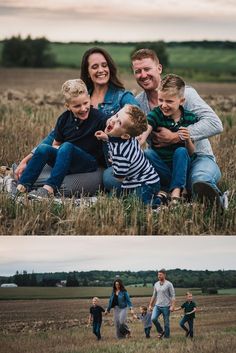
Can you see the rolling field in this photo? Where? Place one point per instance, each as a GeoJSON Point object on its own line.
{"type": "Point", "coordinates": [58, 326]}
{"type": "Point", "coordinates": [30, 102]}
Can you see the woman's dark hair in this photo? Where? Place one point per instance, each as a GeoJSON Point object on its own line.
{"type": "Point", "coordinates": [122, 287]}
{"type": "Point", "coordinates": [84, 75]}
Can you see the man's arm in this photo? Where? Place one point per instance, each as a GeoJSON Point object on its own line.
{"type": "Point", "coordinates": [209, 123]}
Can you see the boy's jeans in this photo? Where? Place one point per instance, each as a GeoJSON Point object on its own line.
{"type": "Point", "coordinates": [147, 331]}
{"type": "Point", "coordinates": [96, 329]}
{"type": "Point", "coordinates": [147, 193]}
{"type": "Point", "coordinates": [171, 176]}
{"type": "Point", "coordinates": [189, 320]}
{"type": "Point", "coordinates": [165, 311]}
{"type": "Point", "coordinates": [67, 159]}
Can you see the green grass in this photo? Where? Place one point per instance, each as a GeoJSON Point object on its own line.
{"type": "Point", "coordinates": [76, 292]}
{"type": "Point", "coordinates": [199, 64]}
{"type": "Point", "coordinates": [231, 291]}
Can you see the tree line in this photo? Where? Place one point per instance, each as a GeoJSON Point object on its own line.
{"type": "Point", "coordinates": [180, 278]}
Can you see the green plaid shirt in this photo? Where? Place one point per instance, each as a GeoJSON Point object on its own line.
{"type": "Point", "coordinates": [157, 119]}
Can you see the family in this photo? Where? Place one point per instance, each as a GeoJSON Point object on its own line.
{"type": "Point", "coordinates": [162, 303]}
{"type": "Point", "coordinates": [101, 137]}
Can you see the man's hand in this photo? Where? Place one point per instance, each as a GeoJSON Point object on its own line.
{"type": "Point", "coordinates": [172, 308]}
{"type": "Point", "coordinates": [163, 137]}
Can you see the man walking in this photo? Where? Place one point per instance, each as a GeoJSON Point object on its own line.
{"type": "Point", "coordinates": [164, 299]}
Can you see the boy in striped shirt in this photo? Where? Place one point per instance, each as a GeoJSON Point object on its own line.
{"type": "Point", "coordinates": [171, 161]}
{"type": "Point", "coordinates": [128, 160]}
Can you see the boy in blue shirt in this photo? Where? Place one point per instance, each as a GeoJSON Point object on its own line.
{"type": "Point", "coordinates": [75, 148]}
{"type": "Point", "coordinates": [146, 317]}
{"type": "Point", "coordinates": [189, 314]}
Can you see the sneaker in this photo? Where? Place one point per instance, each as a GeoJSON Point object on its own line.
{"type": "Point", "coordinates": [40, 194]}
{"type": "Point", "coordinates": [187, 333]}
{"type": "Point", "coordinates": [205, 192]}
{"type": "Point", "coordinates": [224, 200]}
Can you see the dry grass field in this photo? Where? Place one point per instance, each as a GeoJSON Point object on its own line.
{"type": "Point", "coordinates": [60, 326]}
{"type": "Point", "coordinates": [30, 102]}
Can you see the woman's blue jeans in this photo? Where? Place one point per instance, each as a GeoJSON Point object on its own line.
{"type": "Point", "coordinates": [165, 311]}
{"type": "Point", "coordinates": [173, 175]}
{"type": "Point", "coordinates": [67, 159]}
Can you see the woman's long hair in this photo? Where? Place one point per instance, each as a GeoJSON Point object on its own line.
{"type": "Point", "coordinates": [122, 287]}
{"type": "Point", "coordinates": [112, 67]}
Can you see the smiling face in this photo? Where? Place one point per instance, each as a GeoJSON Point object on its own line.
{"type": "Point", "coordinates": [147, 73]}
{"type": "Point", "coordinates": [79, 106]}
{"type": "Point", "coordinates": [98, 69]}
{"type": "Point", "coordinates": [118, 124]}
{"type": "Point", "coordinates": [95, 301]}
{"type": "Point", "coordinates": [169, 103]}
{"type": "Point", "coordinates": [189, 297]}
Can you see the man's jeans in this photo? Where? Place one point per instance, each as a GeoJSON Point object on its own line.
{"type": "Point", "coordinates": [204, 168]}
{"type": "Point", "coordinates": [96, 329]}
{"type": "Point", "coordinates": [172, 175]}
{"type": "Point", "coordinates": [67, 159]}
{"type": "Point", "coordinates": [165, 311]}
{"type": "Point", "coordinates": [190, 324]}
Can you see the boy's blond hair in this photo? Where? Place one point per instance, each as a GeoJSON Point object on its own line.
{"type": "Point", "coordinates": [96, 298]}
{"type": "Point", "coordinates": [173, 84]}
{"type": "Point", "coordinates": [138, 120]}
{"type": "Point", "coordinates": [73, 88]}
{"type": "Point", "coordinates": [143, 307]}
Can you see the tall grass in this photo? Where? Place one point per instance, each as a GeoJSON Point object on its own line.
{"type": "Point", "coordinates": [23, 124]}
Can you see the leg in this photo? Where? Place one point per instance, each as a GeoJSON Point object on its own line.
{"type": "Point", "coordinates": [124, 329]}
{"type": "Point", "coordinates": [147, 331]}
{"type": "Point", "coordinates": [155, 314]}
{"type": "Point", "coordinates": [166, 317]}
{"type": "Point", "coordinates": [204, 169]}
{"type": "Point", "coordinates": [110, 182]}
{"type": "Point", "coordinates": [98, 330]}
{"type": "Point", "coordinates": [44, 154]}
{"type": "Point", "coordinates": [117, 321]}
{"type": "Point", "coordinates": [190, 323]}
{"type": "Point", "coordinates": [160, 167]}
{"type": "Point", "coordinates": [70, 159]}
{"type": "Point", "coordinates": [147, 193]}
{"type": "Point", "coordinates": [180, 167]}
{"type": "Point", "coordinates": [182, 324]}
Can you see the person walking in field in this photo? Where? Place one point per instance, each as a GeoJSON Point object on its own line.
{"type": "Point", "coordinates": [204, 172]}
{"type": "Point", "coordinates": [145, 317]}
{"type": "Point", "coordinates": [190, 308]}
{"type": "Point", "coordinates": [162, 303]}
{"type": "Point", "coordinates": [95, 317]}
{"type": "Point", "coordinates": [119, 301]}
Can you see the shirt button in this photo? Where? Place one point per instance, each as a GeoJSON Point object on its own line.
{"type": "Point", "coordinates": [77, 128]}
{"type": "Point", "coordinates": [112, 111]}
{"type": "Point", "coordinates": [75, 119]}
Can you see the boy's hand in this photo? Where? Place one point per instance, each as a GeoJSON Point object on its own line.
{"type": "Point", "coordinates": [150, 308]}
{"type": "Point", "coordinates": [183, 134]}
{"type": "Point", "coordinates": [19, 170]}
{"type": "Point", "coordinates": [141, 139]}
{"type": "Point", "coordinates": [101, 135]}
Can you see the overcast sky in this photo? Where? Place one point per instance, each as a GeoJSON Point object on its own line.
{"type": "Point", "coordinates": [51, 254]}
{"type": "Point", "coordinates": [119, 20]}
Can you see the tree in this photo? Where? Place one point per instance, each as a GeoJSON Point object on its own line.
{"type": "Point", "coordinates": [18, 52]}
{"type": "Point", "coordinates": [158, 47]}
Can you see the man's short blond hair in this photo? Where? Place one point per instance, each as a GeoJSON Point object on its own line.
{"type": "Point", "coordinates": [73, 88]}
{"type": "Point", "coordinates": [144, 54]}
{"type": "Point", "coordinates": [138, 120]}
{"type": "Point", "coordinates": [173, 84]}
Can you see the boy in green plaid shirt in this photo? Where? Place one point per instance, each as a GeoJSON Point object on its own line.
{"type": "Point", "coordinates": [171, 162]}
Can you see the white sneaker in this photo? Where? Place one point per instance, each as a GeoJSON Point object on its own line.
{"type": "Point", "coordinates": [224, 200]}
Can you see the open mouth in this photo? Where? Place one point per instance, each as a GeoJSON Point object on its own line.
{"type": "Point", "coordinates": [109, 128]}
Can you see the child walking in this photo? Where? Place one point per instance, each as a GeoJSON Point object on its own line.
{"type": "Point", "coordinates": [189, 314]}
{"type": "Point", "coordinates": [96, 317]}
{"type": "Point", "coordinates": [146, 317]}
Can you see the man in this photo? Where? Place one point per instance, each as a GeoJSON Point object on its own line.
{"type": "Point", "coordinates": [164, 299]}
{"type": "Point", "coordinates": [204, 172]}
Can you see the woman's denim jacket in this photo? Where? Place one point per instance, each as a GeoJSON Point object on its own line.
{"type": "Point", "coordinates": [114, 100]}
{"type": "Point", "coordinates": [123, 300]}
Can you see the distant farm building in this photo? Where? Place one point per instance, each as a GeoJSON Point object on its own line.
{"type": "Point", "coordinates": [9, 285]}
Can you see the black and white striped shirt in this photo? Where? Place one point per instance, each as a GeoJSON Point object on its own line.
{"type": "Point", "coordinates": [129, 162]}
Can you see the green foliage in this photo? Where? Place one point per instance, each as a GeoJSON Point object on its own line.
{"type": "Point", "coordinates": [160, 48]}
{"type": "Point", "coordinates": [17, 52]}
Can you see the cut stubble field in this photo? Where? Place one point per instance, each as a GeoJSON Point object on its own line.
{"type": "Point", "coordinates": [29, 106]}
{"type": "Point", "coordinates": [61, 326]}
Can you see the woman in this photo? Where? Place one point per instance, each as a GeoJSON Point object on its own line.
{"type": "Point", "coordinates": [108, 95]}
{"type": "Point", "coordinates": [119, 301]}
